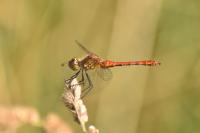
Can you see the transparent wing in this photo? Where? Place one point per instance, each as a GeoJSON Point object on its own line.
{"type": "Point", "coordinates": [104, 73]}
{"type": "Point", "coordinates": [82, 47]}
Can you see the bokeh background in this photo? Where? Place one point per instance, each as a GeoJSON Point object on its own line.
{"type": "Point", "coordinates": [36, 36]}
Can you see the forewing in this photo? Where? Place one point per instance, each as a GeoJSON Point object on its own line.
{"type": "Point", "coordinates": [82, 47]}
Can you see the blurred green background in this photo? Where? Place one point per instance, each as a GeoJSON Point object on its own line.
{"type": "Point", "coordinates": [36, 36]}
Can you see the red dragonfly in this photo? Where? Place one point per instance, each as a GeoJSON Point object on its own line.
{"type": "Point", "coordinates": [92, 61]}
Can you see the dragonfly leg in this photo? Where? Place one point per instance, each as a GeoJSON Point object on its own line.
{"type": "Point", "coordinates": [81, 82]}
{"type": "Point", "coordinates": [90, 86]}
{"type": "Point", "coordinates": [73, 77]}
{"type": "Point", "coordinates": [82, 78]}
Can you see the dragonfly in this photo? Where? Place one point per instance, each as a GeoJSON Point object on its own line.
{"type": "Point", "coordinates": [102, 66]}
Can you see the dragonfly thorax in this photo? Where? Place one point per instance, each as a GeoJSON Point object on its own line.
{"type": "Point", "coordinates": [74, 64]}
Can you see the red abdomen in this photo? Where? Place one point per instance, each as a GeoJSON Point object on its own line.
{"type": "Point", "coordinates": [108, 63]}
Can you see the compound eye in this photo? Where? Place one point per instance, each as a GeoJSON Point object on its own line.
{"type": "Point", "coordinates": [73, 64]}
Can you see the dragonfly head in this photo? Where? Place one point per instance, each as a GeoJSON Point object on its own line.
{"type": "Point", "coordinates": [74, 64]}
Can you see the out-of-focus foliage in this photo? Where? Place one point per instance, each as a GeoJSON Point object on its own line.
{"type": "Point", "coordinates": [27, 119]}
{"type": "Point", "coordinates": [36, 36]}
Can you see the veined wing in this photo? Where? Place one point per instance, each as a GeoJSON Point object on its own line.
{"type": "Point", "coordinates": [82, 47]}
{"type": "Point", "coordinates": [104, 73]}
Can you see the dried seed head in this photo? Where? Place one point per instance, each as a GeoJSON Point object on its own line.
{"type": "Point", "coordinates": [68, 99]}
{"type": "Point", "coordinates": [92, 129]}
{"type": "Point", "coordinates": [72, 100]}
